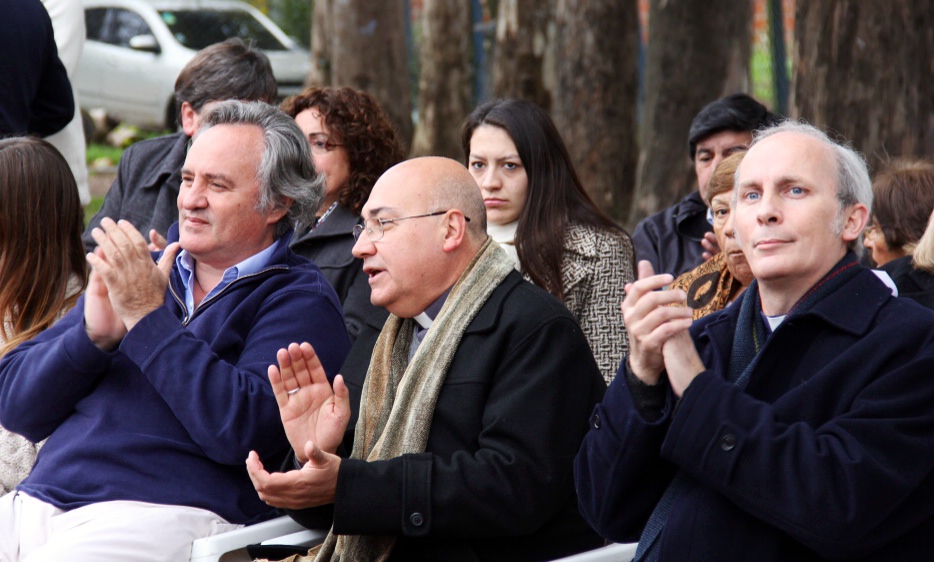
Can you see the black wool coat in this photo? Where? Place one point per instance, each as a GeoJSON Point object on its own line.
{"type": "Point", "coordinates": [495, 481]}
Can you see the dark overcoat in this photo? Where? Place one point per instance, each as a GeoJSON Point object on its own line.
{"type": "Point", "coordinates": [495, 482]}
{"type": "Point", "coordinates": [827, 453]}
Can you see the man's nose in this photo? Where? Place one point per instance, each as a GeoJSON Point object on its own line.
{"type": "Point", "coordinates": [363, 247]}
{"type": "Point", "coordinates": [769, 209]}
{"type": "Point", "coordinates": [192, 196]}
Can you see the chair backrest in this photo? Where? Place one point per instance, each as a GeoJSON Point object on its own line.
{"type": "Point", "coordinates": [617, 552]}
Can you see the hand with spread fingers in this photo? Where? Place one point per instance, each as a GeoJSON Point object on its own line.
{"type": "Point", "coordinates": [311, 410]}
{"type": "Point", "coordinates": [125, 275]}
{"type": "Point", "coordinates": [651, 321]}
{"type": "Point", "coordinates": [711, 245]}
{"type": "Point", "coordinates": [313, 485]}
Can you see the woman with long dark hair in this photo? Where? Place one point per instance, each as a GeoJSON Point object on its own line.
{"type": "Point", "coordinates": [538, 211]}
{"type": "Point", "coordinates": [42, 261]}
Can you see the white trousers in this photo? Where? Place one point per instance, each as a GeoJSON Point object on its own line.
{"type": "Point", "coordinates": [118, 531]}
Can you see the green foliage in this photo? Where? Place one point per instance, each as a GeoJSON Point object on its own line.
{"type": "Point", "coordinates": [103, 155]}
{"type": "Point", "coordinates": [91, 208]}
{"type": "Point", "coordinates": [760, 70]}
{"type": "Point", "coordinates": [293, 16]}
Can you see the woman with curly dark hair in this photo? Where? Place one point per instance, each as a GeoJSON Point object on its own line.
{"type": "Point", "coordinates": [352, 144]}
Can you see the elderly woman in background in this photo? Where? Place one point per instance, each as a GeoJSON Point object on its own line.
{"type": "Point", "coordinates": [352, 144]}
{"type": "Point", "coordinates": [42, 262]}
{"type": "Point", "coordinates": [904, 195]}
{"type": "Point", "coordinates": [716, 283]}
{"type": "Point", "coordinates": [903, 198]}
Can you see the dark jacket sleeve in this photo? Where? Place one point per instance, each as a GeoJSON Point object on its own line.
{"type": "Point", "coordinates": [619, 472]}
{"type": "Point", "coordinates": [35, 93]}
{"type": "Point", "coordinates": [54, 105]}
{"type": "Point", "coordinates": [520, 472]}
{"type": "Point", "coordinates": [832, 487]}
{"type": "Point", "coordinates": [645, 240]}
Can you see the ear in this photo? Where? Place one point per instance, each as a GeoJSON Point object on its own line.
{"type": "Point", "coordinates": [455, 230]}
{"type": "Point", "coordinates": [275, 215]}
{"type": "Point", "coordinates": [189, 119]}
{"type": "Point", "coordinates": [854, 222]}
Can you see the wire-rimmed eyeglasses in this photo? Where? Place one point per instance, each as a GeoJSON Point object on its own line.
{"type": "Point", "coordinates": [321, 143]}
{"type": "Point", "coordinates": [374, 227]}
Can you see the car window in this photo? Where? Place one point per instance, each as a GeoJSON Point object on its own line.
{"type": "Point", "coordinates": [196, 29]}
{"type": "Point", "coordinates": [94, 22]}
{"type": "Point", "coordinates": [126, 25]}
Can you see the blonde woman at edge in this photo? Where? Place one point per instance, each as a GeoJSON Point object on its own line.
{"type": "Point", "coordinates": [537, 210]}
{"type": "Point", "coordinates": [42, 262]}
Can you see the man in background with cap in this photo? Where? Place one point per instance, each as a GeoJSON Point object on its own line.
{"type": "Point", "coordinates": [671, 240]}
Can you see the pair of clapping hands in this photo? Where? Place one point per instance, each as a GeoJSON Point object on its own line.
{"type": "Point", "coordinates": [315, 415]}
{"type": "Point", "coordinates": [658, 332]}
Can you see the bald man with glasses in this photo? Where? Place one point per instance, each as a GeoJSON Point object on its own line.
{"type": "Point", "coordinates": [451, 433]}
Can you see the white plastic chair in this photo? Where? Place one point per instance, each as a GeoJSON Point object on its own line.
{"type": "Point", "coordinates": [618, 552]}
{"type": "Point", "coordinates": [231, 546]}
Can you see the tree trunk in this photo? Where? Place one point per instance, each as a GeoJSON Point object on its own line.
{"type": "Point", "coordinates": [518, 57]}
{"type": "Point", "coordinates": [320, 72]}
{"type": "Point", "coordinates": [698, 52]}
{"type": "Point", "coordinates": [864, 70]}
{"type": "Point", "coordinates": [444, 83]}
{"type": "Point", "coordinates": [361, 44]}
{"type": "Point", "coordinates": [594, 100]}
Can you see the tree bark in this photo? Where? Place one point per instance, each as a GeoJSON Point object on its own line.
{"type": "Point", "coordinates": [444, 83]}
{"type": "Point", "coordinates": [320, 72]}
{"type": "Point", "coordinates": [698, 51]}
{"type": "Point", "coordinates": [519, 52]}
{"type": "Point", "coordinates": [361, 44]}
{"type": "Point", "coordinates": [864, 70]}
{"type": "Point", "coordinates": [594, 100]}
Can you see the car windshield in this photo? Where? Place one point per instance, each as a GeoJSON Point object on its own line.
{"type": "Point", "coordinates": [197, 29]}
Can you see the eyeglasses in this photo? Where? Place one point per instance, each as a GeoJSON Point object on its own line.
{"type": "Point", "coordinates": [374, 227]}
{"type": "Point", "coordinates": [321, 143]}
{"type": "Point", "coordinates": [871, 229]}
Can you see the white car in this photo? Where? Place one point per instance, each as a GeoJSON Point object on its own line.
{"type": "Point", "coordinates": [136, 48]}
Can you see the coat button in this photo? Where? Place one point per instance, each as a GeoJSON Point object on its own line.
{"type": "Point", "coordinates": [727, 442]}
{"type": "Point", "coordinates": [417, 519]}
{"type": "Point", "coordinates": [595, 420]}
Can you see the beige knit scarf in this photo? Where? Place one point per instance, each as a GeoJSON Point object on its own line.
{"type": "Point", "coordinates": [399, 396]}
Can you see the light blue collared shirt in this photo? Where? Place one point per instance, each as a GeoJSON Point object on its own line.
{"type": "Point", "coordinates": [249, 266]}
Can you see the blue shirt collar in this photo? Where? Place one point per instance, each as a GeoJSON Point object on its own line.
{"type": "Point", "coordinates": [253, 264]}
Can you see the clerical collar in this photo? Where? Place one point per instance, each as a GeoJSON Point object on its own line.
{"type": "Point", "coordinates": [427, 318]}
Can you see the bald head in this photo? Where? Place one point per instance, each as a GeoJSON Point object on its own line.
{"type": "Point", "coordinates": [425, 223]}
{"type": "Point", "coordinates": [446, 184]}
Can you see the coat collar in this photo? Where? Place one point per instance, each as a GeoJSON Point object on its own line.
{"type": "Point", "coordinates": [169, 166]}
{"type": "Point", "coordinates": [850, 309]}
{"type": "Point", "coordinates": [486, 318]}
{"type": "Point", "coordinates": [339, 223]}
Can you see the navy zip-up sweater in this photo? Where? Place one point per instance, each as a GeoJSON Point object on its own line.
{"type": "Point", "coordinates": [170, 415]}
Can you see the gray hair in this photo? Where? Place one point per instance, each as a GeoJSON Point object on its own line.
{"type": "Point", "coordinates": [453, 192]}
{"type": "Point", "coordinates": [853, 183]}
{"type": "Point", "coordinates": [286, 174]}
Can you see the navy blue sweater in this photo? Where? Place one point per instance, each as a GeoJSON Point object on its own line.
{"type": "Point", "coordinates": [170, 415]}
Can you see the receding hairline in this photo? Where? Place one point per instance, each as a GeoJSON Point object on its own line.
{"type": "Point", "coordinates": [444, 184]}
